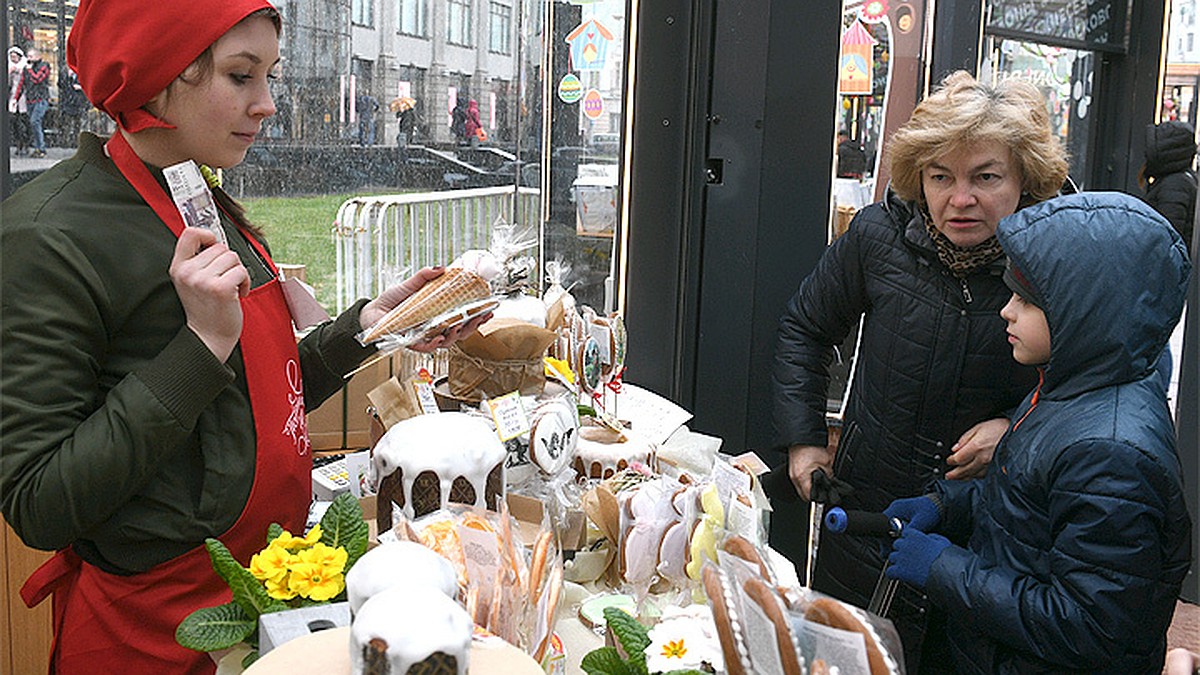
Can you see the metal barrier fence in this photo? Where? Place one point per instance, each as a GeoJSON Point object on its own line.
{"type": "Point", "coordinates": [381, 240]}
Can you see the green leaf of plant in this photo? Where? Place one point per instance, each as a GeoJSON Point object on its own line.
{"type": "Point", "coordinates": [343, 525]}
{"type": "Point", "coordinates": [273, 532]}
{"type": "Point", "coordinates": [249, 659]}
{"type": "Point", "coordinates": [633, 636]}
{"type": "Point", "coordinates": [248, 592]}
{"type": "Point", "coordinates": [637, 664]}
{"type": "Point", "coordinates": [213, 628]}
{"type": "Point", "coordinates": [604, 661]}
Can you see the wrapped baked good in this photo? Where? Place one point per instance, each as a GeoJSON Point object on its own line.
{"type": "Point", "coordinates": [458, 294]}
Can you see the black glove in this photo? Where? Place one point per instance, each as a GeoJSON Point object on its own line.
{"type": "Point", "coordinates": [828, 490]}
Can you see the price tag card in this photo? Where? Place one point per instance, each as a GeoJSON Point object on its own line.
{"type": "Point", "coordinates": [425, 396]}
{"type": "Point", "coordinates": [509, 415]}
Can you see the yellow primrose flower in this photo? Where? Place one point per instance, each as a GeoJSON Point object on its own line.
{"type": "Point", "coordinates": [270, 564]}
{"type": "Point", "coordinates": [279, 589]}
{"type": "Point", "coordinates": [291, 542]}
{"type": "Point", "coordinates": [560, 366]}
{"type": "Point", "coordinates": [315, 582]}
{"type": "Point", "coordinates": [333, 559]}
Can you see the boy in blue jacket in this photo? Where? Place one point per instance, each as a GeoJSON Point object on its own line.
{"type": "Point", "coordinates": [1078, 539]}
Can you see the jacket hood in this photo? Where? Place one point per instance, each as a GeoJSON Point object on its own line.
{"type": "Point", "coordinates": [1170, 147]}
{"type": "Point", "coordinates": [1112, 275]}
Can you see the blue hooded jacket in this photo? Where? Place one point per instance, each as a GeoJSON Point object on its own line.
{"type": "Point", "coordinates": [1079, 534]}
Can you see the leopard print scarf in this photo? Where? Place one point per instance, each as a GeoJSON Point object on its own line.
{"type": "Point", "coordinates": [962, 261]}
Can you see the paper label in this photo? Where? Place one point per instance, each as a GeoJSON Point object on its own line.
{"type": "Point", "coordinates": [425, 397]}
{"type": "Point", "coordinates": [653, 417]}
{"type": "Point", "coordinates": [834, 648]}
{"type": "Point", "coordinates": [192, 197]}
{"type": "Point", "coordinates": [761, 640]}
{"type": "Point", "coordinates": [358, 466]}
{"type": "Point", "coordinates": [509, 415]}
{"type": "Point", "coordinates": [751, 462]}
{"type": "Point", "coordinates": [743, 520]}
{"type": "Point", "coordinates": [730, 482]}
{"type": "Point", "coordinates": [481, 554]}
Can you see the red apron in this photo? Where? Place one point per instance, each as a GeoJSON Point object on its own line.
{"type": "Point", "coordinates": [106, 623]}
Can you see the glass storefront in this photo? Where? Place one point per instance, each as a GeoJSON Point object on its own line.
{"type": "Point", "coordinates": [366, 107]}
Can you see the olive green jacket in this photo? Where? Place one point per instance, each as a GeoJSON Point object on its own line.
{"type": "Point", "coordinates": [120, 433]}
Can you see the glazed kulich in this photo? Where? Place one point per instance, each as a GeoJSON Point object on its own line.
{"type": "Point", "coordinates": [426, 462]}
{"type": "Point", "coordinates": [398, 563]}
{"type": "Point", "coordinates": [409, 630]}
{"type": "Point", "coordinates": [602, 452]}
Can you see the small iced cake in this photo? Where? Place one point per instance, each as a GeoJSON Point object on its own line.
{"type": "Point", "coordinates": [398, 563]}
{"type": "Point", "coordinates": [602, 452]}
{"type": "Point", "coordinates": [425, 462]}
{"type": "Point", "coordinates": [410, 630]}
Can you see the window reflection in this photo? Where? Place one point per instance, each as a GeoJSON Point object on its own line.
{"type": "Point", "coordinates": [1065, 78]}
{"type": "Point", "coordinates": [365, 106]}
{"type": "Point", "coordinates": [864, 74]}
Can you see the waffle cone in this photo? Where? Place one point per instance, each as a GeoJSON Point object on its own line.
{"type": "Point", "coordinates": [456, 287]}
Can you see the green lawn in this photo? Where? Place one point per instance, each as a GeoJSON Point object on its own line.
{"type": "Point", "coordinates": [299, 231]}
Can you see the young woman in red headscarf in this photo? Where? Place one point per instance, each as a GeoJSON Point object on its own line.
{"type": "Point", "coordinates": [153, 389]}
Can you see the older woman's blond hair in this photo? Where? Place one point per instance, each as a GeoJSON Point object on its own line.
{"type": "Point", "coordinates": [963, 112]}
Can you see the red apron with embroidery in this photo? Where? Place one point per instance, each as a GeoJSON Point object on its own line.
{"type": "Point", "coordinates": [106, 623]}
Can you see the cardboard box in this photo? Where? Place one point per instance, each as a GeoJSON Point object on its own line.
{"type": "Point", "coordinates": [343, 422]}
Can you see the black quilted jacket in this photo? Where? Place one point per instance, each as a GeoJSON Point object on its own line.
{"type": "Point", "coordinates": [1170, 150]}
{"type": "Point", "coordinates": [933, 361]}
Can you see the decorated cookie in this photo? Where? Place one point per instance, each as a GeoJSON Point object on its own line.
{"type": "Point", "coordinates": [554, 435]}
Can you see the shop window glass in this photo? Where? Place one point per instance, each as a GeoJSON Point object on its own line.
{"type": "Point", "coordinates": [363, 12]}
{"type": "Point", "coordinates": [882, 49]}
{"type": "Point", "coordinates": [499, 28]}
{"type": "Point", "coordinates": [412, 17]}
{"type": "Point", "coordinates": [547, 78]}
{"type": "Point", "coordinates": [458, 22]}
{"type": "Point", "coordinates": [1064, 76]}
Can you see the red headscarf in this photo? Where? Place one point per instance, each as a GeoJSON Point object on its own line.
{"type": "Point", "coordinates": [127, 51]}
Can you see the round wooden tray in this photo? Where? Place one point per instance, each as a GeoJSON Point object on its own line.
{"type": "Point", "coordinates": [328, 652]}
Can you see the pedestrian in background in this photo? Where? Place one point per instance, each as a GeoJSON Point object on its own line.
{"type": "Point", "coordinates": [1168, 178]}
{"type": "Point", "coordinates": [473, 127]}
{"type": "Point", "coordinates": [18, 107]}
{"type": "Point", "coordinates": [35, 87]}
{"type": "Point", "coordinates": [458, 121]}
{"type": "Point", "coordinates": [72, 106]}
{"type": "Point", "coordinates": [851, 159]}
{"type": "Point", "coordinates": [367, 108]}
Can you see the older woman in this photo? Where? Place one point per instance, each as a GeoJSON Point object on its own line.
{"type": "Point", "coordinates": [935, 376]}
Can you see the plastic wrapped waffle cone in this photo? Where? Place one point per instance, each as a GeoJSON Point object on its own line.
{"type": "Point", "coordinates": [455, 288]}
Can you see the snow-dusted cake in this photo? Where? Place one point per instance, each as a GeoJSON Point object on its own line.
{"type": "Point", "coordinates": [398, 563]}
{"type": "Point", "coordinates": [602, 452]}
{"type": "Point", "coordinates": [425, 462]}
